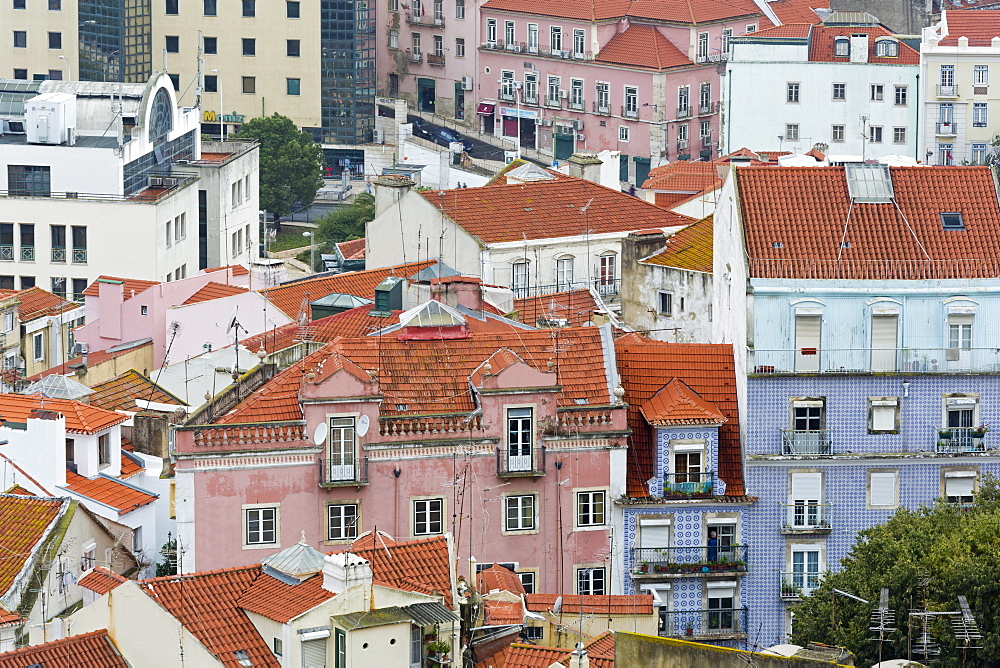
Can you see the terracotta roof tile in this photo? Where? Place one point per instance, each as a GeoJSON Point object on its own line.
{"type": "Point", "coordinates": [18, 490]}
{"type": "Point", "coordinates": [794, 220]}
{"type": "Point", "coordinates": [601, 650]}
{"type": "Point", "coordinates": [798, 11]}
{"type": "Point", "coordinates": [353, 249]}
{"type": "Point", "coordinates": [785, 31]}
{"type": "Point", "coordinates": [622, 604]}
{"type": "Point", "coordinates": [288, 296]}
{"type": "Point", "coordinates": [131, 465]}
{"type": "Point", "coordinates": [238, 269]}
{"type": "Point", "coordinates": [35, 303]}
{"type": "Point", "coordinates": [821, 46]}
{"type": "Point", "coordinates": [109, 491]}
{"type": "Point", "coordinates": [8, 618]}
{"type": "Point", "coordinates": [548, 209]}
{"type": "Point", "coordinates": [576, 306]}
{"type": "Point", "coordinates": [642, 46]}
{"type": "Point", "coordinates": [502, 612]}
{"type": "Point", "coordinates": [497, 577]}
{"type": "Point", "coordinates": [213, 290]}
{"type": "Point", "coordinates": [23, 522]}
{"type": "Point", "coordinates": [94, 650]}
{"type": "Point", "coordinates": [131, 286]}
{"type": "Point", "coordinates": [101, 580]}
{"type": "Point", "coordinates": [979, 25]}
{"type": "Point", "coordinates": [422, 566]}
{"type": "Point", "coordinates": [690, 249]}
{"type": "Point", "coordinates": [520, 655]}
{"type": "Point", "coordinates": [687, 176]}
{"type": "Point", "coordinates": [684, 11]}
{"type": "Point", "coordinates": [283, 602]}
{"type": "Point", "coordinates": [207, 604]}
{"type": "Point", "coordinates": [678, 404]}
{"type": "Point", "coordinates": [645, 366]}
{"type": "Point", "coordinates": [119, 394]}
{"type": "Point", "coordinates": [80, 418]}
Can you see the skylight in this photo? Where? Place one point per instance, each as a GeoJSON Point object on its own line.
{"type": "Point", "coordinates": [952, 220]}
{"type": "Point", "coordinates": [243, 657]}
{"type": "Point", "coordinates": [869, 184]}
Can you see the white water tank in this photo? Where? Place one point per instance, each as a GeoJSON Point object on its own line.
{"type": "Point", "coordinates": [51, 119]}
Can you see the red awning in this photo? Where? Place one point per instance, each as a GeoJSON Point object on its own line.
{"type": "Point", "coordinates": [485, 108]}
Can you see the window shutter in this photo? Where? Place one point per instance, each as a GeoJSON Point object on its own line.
{"type": "Point", "coordinates": [884, 330]}
{"type": "Point", "coordinates": [654, 533]}
{"type": "Point", "coordinates": [807, 337]}
{"type": "Point", "coordinates": [959, 485]}
{"type": "Point", "coordinates": [883, 418]}
{"type": "Point", "coordinates": [314, 653]}
{"type": "Point", "coordinates": [883, 489]}
{"type": "Point", "coordinates": [807, 487]}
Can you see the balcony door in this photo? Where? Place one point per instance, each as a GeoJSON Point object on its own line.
{"type": "Point", "coordinates": [808, 436]}
{"type": "Point", "coordinates": [342, 449]}
{"type": "Point", "coordinates": [884, 333]}
{"type": "Point", "coordinates": [805, 569]}
{"type": "Point", "coordinates": [808, 329]}
{"type": "Point", "coordinates": [607, 274]}
{"type": "Point", "coordinates": [805, 495]}
{"type": "Point", "coordinates": [518, 439]}
{"type": "Point", "coordinates": [721, 613]}
{"type": "Point", "coordinates": [959, 353]}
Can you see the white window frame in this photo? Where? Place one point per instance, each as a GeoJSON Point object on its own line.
{"type": "Point", "coordinates": [423, 506]}
{"type": "Point", "coordinates": [837, 133]}
{"type": "Point", "coordinates": [874, 134]}
{"type": "Point", "coordinates": [959, 473]}
{"type": "Point", "coordinates": [520, 513]}
{"type": "Point", "coordinates": [592, 498]}
{"type": "Point", "coordinates": [258, 510]}
{"type": "Point", "coordinates": [555, 38]}
{"type": "Point", "coordinates": [899, 135]}
{"type": "Point", "coordinates": [791, 131]}
{"type": "Point", "coordinates": [595, 579]}
{"type": "Point", "coordinates": [876, 93]}
{"type": "Point", "coordinates": [579, 42]}
{"type": "Point", "coordinates": [564, 272]}
{"type": "Point", "coordinates": [38, 346]}
{"type": "Point", "coordinates": [883, 475]}
{"type": "Point", "coordinates": [491, 31]}
{"type": "Point", "coordinates": [349, 530]}
{"type": "Point", "coordinates": [533, 38]}
{"type": "Point", "coordinates": [623, 133]}
{"type": "Point", "coordinates": [880, 407]}
{"type": "Point", "coordinates": [669, 302]}
{"type": "Point", "coordinates": [981, 75]}
{"type": "Point", "coordinates": [792, 90]}
{"type": "Point", "coordinates": [901, 96]}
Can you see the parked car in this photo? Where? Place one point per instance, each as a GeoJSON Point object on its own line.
{"type": "Point", "coordinates": [438, 135]}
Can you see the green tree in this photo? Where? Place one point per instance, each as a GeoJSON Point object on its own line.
{"type": "Point", "coordinates": [347, 222]}
{"type": "Point", "coordinates": [291, 164]}
{"type": "Point", "coordinates": [941, 551]}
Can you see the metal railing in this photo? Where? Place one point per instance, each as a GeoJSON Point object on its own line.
{"type": "Point", "coordinates": [630, 113]}
{"type": "Point", "coordinates": [960, 439]}
{"type": "Point", "coordinates": [511, 465]}
{"type": "Point", "coordinates": [602, 109]}
{"type": "Point", "coordinates": [604, 287]}
{"type": "Point", "coordinates": [688, 484]}
{"type": "Point", "coordinates": [59, 254]}
{"type": "Point", "coordinates": [805, 517]}
{"type": "Point", "coordinates": [714, 57]}
{"type": "Point", "coordinates": [946, 129]}
{"type": "Point", "coordinates": [806, 442]}
{"type": "Point", "coordinates": [340, 474]}
{"type": "Point", "coordinates": [27, 253]}
{"type": "Point", "coordinates": [79, 255]}
{"type": "Point", "coordinates": [7, 252]}
{"type": "Point", "coordinates": [553, 101]}
{"type": "Point", "coordinates": [607, 287]}
{"type": "Point", "coordinates": [414, 57]}
{"type": "Point", "coordinates": [577, 106]}
{"type": "Point", "coordinates": [434, 59]}
{"type": "Point", "coordinates": [425, 20]}
{"type": "Point", "coordinates": [797, 585]}
{"type": "Point", "coordinates": [530, 99]}
{"type": "Point", "coordinates": [682, 560]}
{"type": "Point", "coordinates": [947, 90]}
{"type": "Point", "coordinates": [507, 94]}
{"type": "Point", "coordinates": [867, 360]}
{"type": "Point", "coordinates": [683, 112]}
{"type": "Point", "coordinates": [691, 623]}
{"type": "Point", "coordinates": [710, 108]}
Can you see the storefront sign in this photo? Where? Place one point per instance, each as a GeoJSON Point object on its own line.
{"type": "Point", "coordinates": [212, 117]}
{"type": "Point", "coordinates": [518, 113]}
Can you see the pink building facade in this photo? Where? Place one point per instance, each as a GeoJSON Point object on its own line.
{"type": "Point", "coordinates": [512, 443]}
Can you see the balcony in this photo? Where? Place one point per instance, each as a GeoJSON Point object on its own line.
{"type": "Point", "coordinates": [553, 101]}
{"type": "Point", "coordinates": [946, 129]}
{"type": "Point", "coordinates": [425, 20]}
{"type": "Point", "coordinates": [952, 440]}
{"type": "Point", "coordinates": [683, 112]}
{"type": "Point", "coordinates": [651, 562]}
{"type": "Point", "coordinates": [630, 113]}
{"type": "Point", "coordinates": [79, 255]}
{"type": "Point", "coordinates": [725, 623]}
{"type": "Point", "coordinates": [27, 253]}
{"type": "Point", "coordinates": [436, 60]}
{"type": "Point", "coordinates": [796, 585]}
{"type": "Point", "coordinates": [576, 106]}
{"type": "Point", "coordinates": [878, 360]}
{"type": "Point", "coordinates": [341, 473]}
{"type": "Point", "coordinates": [7, 252]}
{"type": "Point", "coordinates": [713, 58]}
{"type": "Point", "coordinates": [530, 99]}
{"type": "Point", "coordinates": [806, 442]}
{"type": "Point", "coordinates": [602, 109]}
{"type": "Point", "coordinates": [947, 91]}
{"type": "Point", "coordinates": [414, 56]}
{"type": "Point", "coordinates": [608, 287]}
{"type": "Point", "coordinates": [708, 109]}
{"type": "Point", "coordinates": [521, 464]}
{"type": "Point", "coordinates": [682, 145]}
{"type": "Point", "coordinates": [58, 254]}
{"type": "Point", "coordinates": [688, 484]}
{"type": "Point", "coordinates": [507, 94]}
{"type": "Point", "coordinates": [805, 518]}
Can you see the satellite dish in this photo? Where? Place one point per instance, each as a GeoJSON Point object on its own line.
{"type": "Point", "coordinates": [232, 319]}
{"type": "Point", "coordinates": [319, 436]}
{"type": "Point", "coordinates": [557, 606]}
{"type": "Point", "coordinates": [362, 425]}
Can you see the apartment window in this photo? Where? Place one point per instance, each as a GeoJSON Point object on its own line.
{"type": "Point", "coordinates": [805, 569]}
{"type": "Point", "coordinates": [27, 242]}
{"type": "Point", "coordinates": [702, 47]}
{"type": "Point", "coordinates": [20, 74]}
{"type": "Point", "coordinates": [415, 42]}
{"type": "Point", "coordinates": [29, 180]}
{"type": "Point", "coordinates": [55, 40]}
{"type": "Point", "coordinates": [590, 509]}
{"type": "Point", "coordinates": [249, 8]}
{"type": "Point", "coordinates": [947, 78]}
{"type": "Point", "coordinates": [292, 9]}
{"type": "Point", "coordinates": [342, 521]}
{"type": "Point", "coordinates": [883, 488]}
{"type": "Point", "coordinates": [428, 517]}
{"type": "Point", "coordinates": [21, 39]}
{"type": "Point", "coordinates": [959, 486]}
{"type": "Point", "coordinates": [883, 414]}
{"type": "Point", "coordinates": [261, 525]}
{"type": "Point", "coordinates": [210, 45]}
{"type": "Point", "coordinates": [459, 9]}
{"type": "Point", "coordinates": [877, 92]}
{"type": "Point", "coordinates": [104, 450]}
{"type": "Point", "coordinates": [528, 582]}
{"type": "Point", "coordinates": [564, 273]}
{"type": "Point", "coordinates": [519, 512]}
{"type": "Point", "coordinates": [209, 7]}
{"type": "Point", "coordinates": [727, 34]}
{"type": "Point", "coordinates": [393, 38]}
{"type": "Point", "coordinates": [555, 38]}
{"type": "Point", "coordinates": [603, 97]}
{"type": "Point", "coordinates": [172, 43]}
{"type": "Point", "coordinates": [960, 337]}
{"type": "Point", "coordinates": [292, 48]}
{"type": "Point", "coordinates": [623, 133]}
{"type": "Point", "coordinates": [666, 303]}
{"type": "Point", "coordinates": [175, 79]}
{"type": "Point", "coordinates": [579, 43]}
{"type": "Point", "coordinates": [393, 5]}
{"type": "Point", "coordinates": [705, 132]}
{"type": "Point", "coordinates": [945, 155]}
{"type": "Point", "coordinates": [249, 84]}
{"type": "Point", "coordinates": [682, 133]}
{"type": "Point", "coordinates": [631, 101]}
{"type": "Point", "coordinates": [211, 83]}
{"type": "Point", "coordinates": [519, 283]}
{"type": "Point", "coordinates": [8, 322]}
{"type": "Point", "coordinates": [887, 48]}
{"type": "Point", "coordinates": [508, 33]}
{"type": "Point", "coordinates": [533, 37]}
{"type": "Point", "coordinates": [839, 91]}
{"type": "Point", "coordinates": [874, 134]}
{"type": "Point", "coordinates": [979, 154]}
{"type": "Point", "coordinates": [293, 86]}
{"type": "Point", "coordinates": [807, 341]}
{"type": "Point", "coordinates": [946, 112]}
{"type": "Point", "coordinates": [79, 236]}
{"type": "Point", "coordinates": [460, 47]}
{"type": "Point", "coordinates": [37, 346]}
{"type": "Point", "coordinates": [792, 92]}
{"type": "Point", "coordinates": [842, 47]}
{"type": "Point", "coordinates": [170, 7]}
{"type": "Point", "coordinates": [683, 100]}
{"type": "Point", "coordinates": [979, 114]}
{"type": "Point", "coordinates": [791, 132]}
{"type": "Point", "coordinates": [20, 4]}
{"type": "Point", "coordinates": [249, 46]}
{"type": "Point", "coordinates": [278, 647]}
{"type": "Point", "coordinates": [752, 27]}
{"type": "Point", "coordinates": [899, 135]}
{"type": "Point", "coordinates": [901, 96]}
{"type": "Point", "coordinates": [491, 31]}
{"type": "Point", "coordinates": [590, 581]}
{"type": "Point", "coordinates": [439, 45]}
{"type": "Point", "coordinates": [981, 75]}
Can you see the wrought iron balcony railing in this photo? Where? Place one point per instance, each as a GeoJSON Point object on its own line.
{"type": "Point", "coordinates": [806, 442]}
{"type": "Point", "coordinates": [688, 484]}
{"type": "Point", "coordinates": [341, 473]}
{"type": "Point", "coordinates": [807, 518]}
{"type": "Point", "coordinates": [960, 439]}
{"type": "Point", "coordinates": [521, 464]}
{"type": "Point", "coordinates": [797, 585]}
{"type": "Point", "coordinates": [718, 622]}
{"type": "Point", "coordinates": [653, 561]}
{"type": "Point", "coordinates": [880, 360]}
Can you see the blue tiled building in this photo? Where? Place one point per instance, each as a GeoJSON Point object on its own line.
{"type": "Point", "coordinates": [868, 300]}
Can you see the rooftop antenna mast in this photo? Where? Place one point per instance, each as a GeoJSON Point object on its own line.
{"type": "Point", "coordinates": [883, 620]}
{"type": "Point", "coordinates": [965, 628]}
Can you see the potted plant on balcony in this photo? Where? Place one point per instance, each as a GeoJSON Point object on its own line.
{"type": "Point", "coordinates": [980, 431]}
{"type": "Point", "coordinates": [689, 631]}
{"type": "Point", "coordinates": [644, 567]}
{"type": "Point", "coordinates": [944, 433]}
{"type": "Point", "coordinates": [790, 590]}
{"type": "Point", "coordinates": [439, 650]}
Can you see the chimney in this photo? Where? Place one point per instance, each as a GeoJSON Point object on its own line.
{"type": "Point", "coordinates": [585, 166]}
{"type": "Point", "coordinates": [345, 570]}
{"type": "Point", "coordinates": [643, 243]}
{"type": "Point", "coordinates": [859, 48]}
{"type": "Point", "coordinates": [578, 658]}
{"type": "Point", "coordinates": [464, 291]}
{"type": "Point", "coordinates": [963, 42]}
{"type": "Point", "coordinates": [389, 189]}
{"type": "Point", "coordinates": [111, 295]}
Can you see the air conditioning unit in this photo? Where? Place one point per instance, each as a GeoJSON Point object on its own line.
{"type": "Point", "coordinates": [71, 194]}
{"type": "Point", "coordinates": [578, 125]}
{"type": "Point", "coordinates": [517, 48]}
{"type": "Point", "coordinates": [377, 136]}
{"type": "Point", "coordinates": [563, 94]}
{"type": "Point", "coordinates": [565, 54]}
{"type": "Point", "coordinates": [155, 181]}
{"type": "Point", "coordinates": [540, 121]}
{"type": "Point", "coordinates": [581, 138]}
{"type": "Point", "coordinates": [518, 85]}
{"type": "Point", "coordinates": [547, 123]}
{"type": "Point", "coordinates": [466, 83]}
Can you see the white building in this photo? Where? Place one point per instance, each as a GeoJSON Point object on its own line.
{"type": "Point", "coordinates": [113, 176]}
{"type": "Point", "coordinates": [849, 87]}
{"type": "Point", "coordinates": [955, 59]}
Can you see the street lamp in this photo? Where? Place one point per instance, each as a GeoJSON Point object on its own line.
{"type": "Point", "coordinates": [222, 108]}
{"type": "Point", "coordinates": [312, 251]}
{"type": "Point", "coordinates": [69, 71]}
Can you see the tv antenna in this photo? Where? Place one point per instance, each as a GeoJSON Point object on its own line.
{"type": "Point", "coordinates": [883, 620]}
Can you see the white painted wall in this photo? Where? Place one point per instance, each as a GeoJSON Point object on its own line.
{"type": "Point", "coordinates": [206, 322]}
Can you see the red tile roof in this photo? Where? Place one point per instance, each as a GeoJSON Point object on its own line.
{"type": "Point", "coordinates": [213, 290]}
{"type": "Point", "coordinates": [690, 249]}
{"type": "Point", "coordinates": [109, 491]}
{"type": "Point", "coordinates": [101, 580]}
{"type": "Point", "coordinates": [821, 47]}
{"type": "Point", "coordinates": [687, 176]}
{"type": "Point", "coordinates": [623, 604]}
{"type": "Point", "coordinates": [8, 618]}
{"type": "Point", "coordinates": [502, 612]}
{"type": "Point", "coordinates": [25, 520]}
{"type": "Point", "coordinates": [131, 286]}
{"type": "Point", "coordinates": [130, 466]}
{"type": "Point", "coordinates": [238, 269]}
{"type": "Point", "coordinates": [36, 303]}
{"type": "Point", "coordinates": [288, 297]}
{"type": "Point", "coordinates": [17, 489]}
{"type": "Point", "coordinates": [803, 210]}
{"type": "Point", "coordinates": [207, 604]}
{"type": "Point", "coordinates": [642, 46]}
{"type": "Point", "coordinates": [119, 394]}
{"type": "Point", "coordinates": [677, 404]}
{"type": "Point", "coordinates": [798, 11]}
{"type": "Point", "coordinates": [93, 650]}
{"type": "Point", "coordinates": [645, 366]}
{"type": "Point", "coordinates": [979, 25]}
{"type": "Point", "coordinates": [520, 655]}
{"type": "Point", "coordinates": [601, 651]}
{"type": "Point", "coordinates": [283, 602]}
{"type": "Point", "coordinates": [787, 30]}
{"type": "Point", "coordinates": [548, 209]}
{"type": "Point", "coordinates": [576, 306]}
{"type": "Point", "coordinates": [432, 376]}
{"type": "Point", "coordinates": [684, 11]}
{"type": "Point", "coordinates": [422, 566]}
{"type": "Point", "coordinates": [497, 577]}
{"type": "Point", "coordinates": [353, 249]}
{"type": "Point", "coordinates": [80, 418]}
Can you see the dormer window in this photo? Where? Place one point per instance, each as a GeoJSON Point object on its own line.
{"type": "Point", "coordinates": [952, 221]}
{"type": "Point", "coordinates": [887, 48]}
{"type": "Point", "coordinates": [842, 47]}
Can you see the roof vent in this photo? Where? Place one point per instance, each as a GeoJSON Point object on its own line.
{"type": "Point", "coordinates": [869, 184]}
{"type": "Point", "coordinates": [845, 244]}
{"type": "Point", "coordinates": [777, 244]}
{"type": "Point", "coordinates": [952, 221]}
